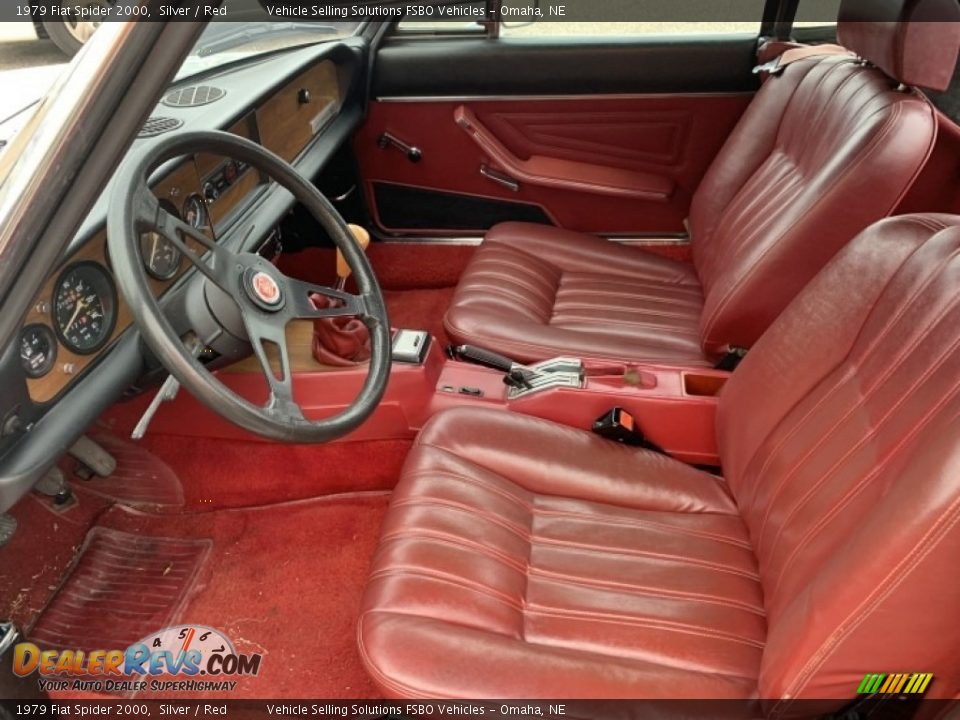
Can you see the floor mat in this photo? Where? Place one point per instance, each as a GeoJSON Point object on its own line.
{"type": "Point", "coordinates": [420, 310]}
{"type": "Point", "coordinates": [122, 587]}
{"type": "Point", "coordinates": [284, 581]}
{"type": "Point", "coordinates": [43, 547]}
{"type": "Point", "coordinates": [141, 478]}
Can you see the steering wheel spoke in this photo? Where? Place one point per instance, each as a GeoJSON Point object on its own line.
{"type": "Point", "coordinates": [341, 304]}
{"type": "Point", "coordinates": [153, 215]}
{"type": "Point", "coordinates": [264, 334]}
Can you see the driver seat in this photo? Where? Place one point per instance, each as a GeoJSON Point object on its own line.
{"type": "Point", "coordinates": [521, 558]}
{"type": "Point", "coordinates": [827, 147]}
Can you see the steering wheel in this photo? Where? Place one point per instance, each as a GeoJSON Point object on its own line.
{"type": "Point", "coordinates": [243, 293]}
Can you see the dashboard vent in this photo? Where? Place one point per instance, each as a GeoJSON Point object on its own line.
{"type": "Point", "coordinates": [194, 95]}
{"type": "Point", "coordinates": [158, 126]}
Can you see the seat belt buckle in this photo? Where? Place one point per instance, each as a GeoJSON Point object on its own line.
{"type": "Point", "coordinates": [772, 67]}
{"type": "Point", "coordinates": [620, 426]}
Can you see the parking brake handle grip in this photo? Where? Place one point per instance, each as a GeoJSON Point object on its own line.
{"type": "Point", "coordinates": [478, 355]}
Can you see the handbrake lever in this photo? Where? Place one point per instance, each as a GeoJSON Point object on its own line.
{"type": "Point", "coordinates": [515, 374]}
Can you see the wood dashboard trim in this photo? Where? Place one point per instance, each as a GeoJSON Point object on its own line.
{"type": "Point", "coordinates": [176, 187]}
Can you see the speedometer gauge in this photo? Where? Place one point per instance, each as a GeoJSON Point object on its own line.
{"type": "Point", "coordinates": [84, 307]}
{"type": "Point", "coordinates": [161, 258]}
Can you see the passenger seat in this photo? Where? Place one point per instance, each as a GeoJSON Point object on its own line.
{"type": "Point", "coordinates": [829, 145]}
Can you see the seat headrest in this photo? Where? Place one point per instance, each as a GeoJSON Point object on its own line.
{"type": "Point", "coordinates": [914, 41]}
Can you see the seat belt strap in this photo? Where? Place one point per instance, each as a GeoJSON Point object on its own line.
{"type": "Point", "coordinates": [788, 57]}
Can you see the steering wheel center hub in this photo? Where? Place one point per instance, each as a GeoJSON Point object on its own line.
{"type": "Point", "coordinates": [263, 289]}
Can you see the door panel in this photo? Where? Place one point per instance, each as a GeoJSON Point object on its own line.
{"type": "Point", "coordinates": [624, 159]}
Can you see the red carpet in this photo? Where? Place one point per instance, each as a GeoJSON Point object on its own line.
{"type": "Point", "coordinates": [232, 473]}
{"type": "Point", "coordinates": [40, 552]}
{"type": "Point", "coordinates": [284, 581]}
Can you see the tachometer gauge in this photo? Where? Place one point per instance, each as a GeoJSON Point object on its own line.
{"type": "Point", "coordinates": [161, 258]}
{"type": "Point", "coordinates": [84, 307]}
{"type": "Point", "coordinates": [195, 212]}
{"type": "Point", "coordinates": [38, 350]}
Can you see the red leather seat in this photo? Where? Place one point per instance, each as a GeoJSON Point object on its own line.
{"type": "Point", "coordinates": [826, 148]}
{"type": "Point", "coordinates": [521, 558]}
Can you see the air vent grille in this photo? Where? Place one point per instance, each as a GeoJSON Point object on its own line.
{"type": "Point", "coordinates": [194, 95]}
{"type": "Point", "coordinates": [157, 126]}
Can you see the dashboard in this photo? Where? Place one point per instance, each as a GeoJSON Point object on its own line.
{"type": "Point", "coordinates": [78, 313]}
{"type": "Point", "coordinates": [77, 351]}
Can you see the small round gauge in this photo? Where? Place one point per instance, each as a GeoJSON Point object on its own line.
{"type": "Point", "coordinates": [38, 350]}
{"type": "Point", "coordinates": [161, 258]}
{"type": "Point", "coordinates": [230, 172]}
{"type": "Point", "coordinates": [84, 307]}
{"type": "Point", "coordinates": [195, 212]}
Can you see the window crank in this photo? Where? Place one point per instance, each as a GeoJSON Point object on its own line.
{"type": "Point", "coordinates": [386, 140]}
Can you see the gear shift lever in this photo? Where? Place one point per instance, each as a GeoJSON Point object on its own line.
{"type": "Point", "coordinates": [362, 238]}
{"type": "Point", "coordinates": [341, 341]}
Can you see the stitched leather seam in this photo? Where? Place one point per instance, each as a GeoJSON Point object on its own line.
{"type": "Point", "coordinates": [876, 142]}
{"type": "Point", "coordinates": [877, 470]}
{"type": "Point", "coordinates": [820, 79]}
{"type": "Point", "coordinates": [528, 506]}
{"type": "Point", "coordinates": [905, 351]}
{"type": "Point", "coordinates": [612, 449]}
{"type": "Point", "coordinates": [510, 346]}
{"type": "Point", "coordinates": [638, 523]}
{"type": "Point", "coordinates": [643, 623]}
{"type": "Point", "coordinates": [423, 533]}
{"type": "Point", "coordinates": [471, 510]}
{"type": "Point", "coordinates": [462, 583]}
{"type": "Point", "coordinates": [675, 329]}
{"type": "Point", "coordinates": [644, 590]}
{"type": "Point", "coordinates": [897, 576]}
{"type": "Point", "coordinates": [592, 653]}
{"type": "Point", "coordinates": [847, 374]}
{"type": "Point", "coordinates": [632, 552]}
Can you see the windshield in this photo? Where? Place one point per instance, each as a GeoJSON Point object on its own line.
{"type": "Point", "coordinates": [223, 43]}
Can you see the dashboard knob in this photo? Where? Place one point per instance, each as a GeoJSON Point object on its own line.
{"type": "Point", "coordinates": [304, 96]}
{"type": "Point", "coordinates": [210, 191]}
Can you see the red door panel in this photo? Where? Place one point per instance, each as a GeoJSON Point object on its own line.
{"type": "Point", "coordinates": [671, 137]}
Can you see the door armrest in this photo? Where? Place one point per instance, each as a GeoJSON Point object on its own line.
{"type": "Point", "coordinates": [565, 174]}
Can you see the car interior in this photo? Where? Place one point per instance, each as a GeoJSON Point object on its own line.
{"type": "Point", "coordinates": [630, 372]}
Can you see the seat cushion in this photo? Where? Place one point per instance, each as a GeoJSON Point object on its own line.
{"type": "Point", "coordinates": [533, 292]}
{"type": "Point", "coordinates": [583, 567]}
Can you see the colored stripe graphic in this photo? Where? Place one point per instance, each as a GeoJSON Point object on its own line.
{"type": "Point", "coordinates": [894, 683]}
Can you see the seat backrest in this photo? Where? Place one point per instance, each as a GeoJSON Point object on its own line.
{"type": "Point", "coordinates": [826, 148]}
{"type": "Point", "coordinates": [840, 439]}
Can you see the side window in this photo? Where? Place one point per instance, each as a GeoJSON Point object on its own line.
{"type": "Point", "coordinates": [816, 21]}
{"type": "Point", "coordinates": [631, 19]}
{"type": "Point", "coordinates": [541, 19]}
{"type": "Point", "coordinates": [585, 30]}
{"type": "Point", "coordinates": [445, 20]}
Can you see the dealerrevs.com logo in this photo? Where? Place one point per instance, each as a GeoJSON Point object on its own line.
{"type": "Point", "coordinates": [187, 658]}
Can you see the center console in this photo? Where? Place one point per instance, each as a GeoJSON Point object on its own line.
{"type": "Point", "coordinates": [673, 407]}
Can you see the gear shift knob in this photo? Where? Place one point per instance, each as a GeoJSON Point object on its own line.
{"type": "Point", "coordinates": [362, 238]}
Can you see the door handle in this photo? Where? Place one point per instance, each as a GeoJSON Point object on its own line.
{"type": "Point", "coordinates": [413, 153]}
{"type": "Point", "coordinates": [500, 178]}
